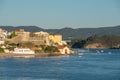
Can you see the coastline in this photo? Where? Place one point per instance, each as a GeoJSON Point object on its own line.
{"type": "Point", "coordinates": [38, 55]}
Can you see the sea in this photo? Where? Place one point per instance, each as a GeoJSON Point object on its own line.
{"type": "Point", "coordinates": [89, 64]}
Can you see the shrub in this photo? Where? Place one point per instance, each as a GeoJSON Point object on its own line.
{"type": "Point", "coordinates": [51, 49]}
{"type": "Point", "coordinates": [1, 50]}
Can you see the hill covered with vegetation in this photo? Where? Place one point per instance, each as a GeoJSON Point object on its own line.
{"type": "Point", "coordinates": [106, 41]}
{"type": "Point", "coordinates": [70, 33]}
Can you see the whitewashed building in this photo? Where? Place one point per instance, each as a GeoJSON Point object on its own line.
{"type": "Point", "coordinates": [3, 34]}
{"type": "Point", "coordinates": [23, 51]}
{"type": "Point", "coordinates": [64, 49]}
{"type": "Point", "coordinates": [2, 42]}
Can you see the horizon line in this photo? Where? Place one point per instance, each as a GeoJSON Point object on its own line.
{"type": "Point", "coordinates": [57, 28]}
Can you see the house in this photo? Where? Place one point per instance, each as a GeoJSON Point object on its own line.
{"type": "Point", "coordinates": [64, 49]}
{"type": "Point", "coordinates": [3, 34]}
{"type": "Point", "coordinates": [2, 42]}
{"type": "Point", "coordinates": [23, 51]}
{"type": "Point", "coordinates": [6, 50]}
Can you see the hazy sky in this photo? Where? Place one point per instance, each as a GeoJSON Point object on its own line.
{"type": "Point", "coordinates": [60, 13]}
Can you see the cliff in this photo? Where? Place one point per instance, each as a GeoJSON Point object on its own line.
{"type": "Point", "coordinates": [95, 45]}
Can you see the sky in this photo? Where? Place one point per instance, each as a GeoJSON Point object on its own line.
{"type": "Point", "coordinates": [50, 14]}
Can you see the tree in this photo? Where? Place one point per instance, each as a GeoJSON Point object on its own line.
{"type": "Point", "coordinates": [13, 34]}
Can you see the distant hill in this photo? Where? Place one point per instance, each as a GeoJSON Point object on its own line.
{"type": "Point", "coordinates": [70, 32]}
{"type": "Point", "coordinates": [26, 28]}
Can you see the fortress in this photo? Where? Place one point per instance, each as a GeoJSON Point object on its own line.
{"type": "Point", "coordinates": [38, 38]}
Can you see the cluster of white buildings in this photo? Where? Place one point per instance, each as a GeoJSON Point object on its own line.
{"type": "Point", "coordinates": [3, 35]}
{"type": "Point", "coordinates": [62, 49]}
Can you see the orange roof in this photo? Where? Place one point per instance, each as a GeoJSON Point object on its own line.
{"type": "Point", "coordinates": [61, 47]}
{"type": "Point", "coordinates": [4, 30]}
{"type": "Point", "coordinates": [55, 34]}
{"type": "Point", "coordinates": [58, 34]}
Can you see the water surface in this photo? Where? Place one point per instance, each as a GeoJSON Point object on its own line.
{"type": "Point", "coordinates": [91, 65]}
